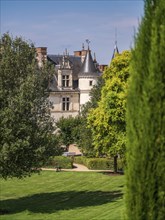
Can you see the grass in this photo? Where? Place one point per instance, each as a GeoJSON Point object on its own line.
{"type": "Point", "coordinates": [63, 196]}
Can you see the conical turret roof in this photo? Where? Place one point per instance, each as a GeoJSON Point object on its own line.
{"type": "Point", "coordinates": [88, 68]}
{"type": "Point", "coordinates": [115, 51]}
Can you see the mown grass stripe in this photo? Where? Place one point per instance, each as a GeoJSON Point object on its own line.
{"type": "Point", "coordinates": [63, 196]}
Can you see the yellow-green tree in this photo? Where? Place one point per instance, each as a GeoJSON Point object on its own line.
{"type": "Point", "coordinates": [107, 121]}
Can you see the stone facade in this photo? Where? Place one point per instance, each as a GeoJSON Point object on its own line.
{"type": "Point", "coordinates": [74, 77]}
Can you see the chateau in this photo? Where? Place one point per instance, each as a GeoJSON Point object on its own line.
{"type": "Point", "coordinates": [74, 77]}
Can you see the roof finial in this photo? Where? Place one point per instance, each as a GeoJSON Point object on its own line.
{"type": "Point", "coordinates": [116, 48]}
{"type": "Point", "coordinates": [88, 42]}
{"type": "Point", "coordinates": [66, 52]}
{"type": "Point", "coordinates": [116, 36]}
{"type": "Point", "coordinates": [94, 57]}
{"type": "Point", "coordinates": [116, 51]}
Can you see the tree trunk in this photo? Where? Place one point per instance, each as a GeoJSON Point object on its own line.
{"type": "Point", "coordinates": [115, 164]}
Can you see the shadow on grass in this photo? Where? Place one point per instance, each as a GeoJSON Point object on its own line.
{"type": "Point", "coordinates": [55, 201]}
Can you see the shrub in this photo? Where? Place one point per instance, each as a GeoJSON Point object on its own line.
{"type": "Point", "coordinates": [80, 160]}
{"type": "Point", "coordinates": [99, 164]}
{"type": "Point", "coordinates": [95, 163]}
{"type": "Point", "coordinates": [60, 161]}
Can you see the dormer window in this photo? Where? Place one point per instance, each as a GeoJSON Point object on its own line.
{"type": "Point", "coordinates": [65, 80]}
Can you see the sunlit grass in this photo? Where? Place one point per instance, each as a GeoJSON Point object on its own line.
{"type": "Point", "coordinates": [63, 196]}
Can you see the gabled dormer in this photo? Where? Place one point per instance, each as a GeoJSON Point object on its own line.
{"type": "Point", "coordinates": [65, 73]}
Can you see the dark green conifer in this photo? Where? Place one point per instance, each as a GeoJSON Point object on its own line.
{"type": "Point", "coordinates": [145, 194]}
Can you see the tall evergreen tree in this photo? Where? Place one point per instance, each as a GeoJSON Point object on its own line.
{"type": "Point", "coordinates": [145, 194]}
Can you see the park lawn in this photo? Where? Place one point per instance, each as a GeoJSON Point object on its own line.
{"type": "Point", "coordinates": [63, 196]}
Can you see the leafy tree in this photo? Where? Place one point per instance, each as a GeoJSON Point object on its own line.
{"type": "Point", "coordinates": [25, 124]}
{"type": "Point", "coordinates": [107, 121]}
{"type": "Point", "coordinates": [95, 96]}
{"type": "Point", "coordinates": [85, 135]}
{"type": "Point", "coordinates": [145, 197]}
{"type": "Point", "coordinates": [69, 129]}
{"type": "Point", "coordinates": [85, 141]}
{"type": "Point", "coordinates": [74, 130]}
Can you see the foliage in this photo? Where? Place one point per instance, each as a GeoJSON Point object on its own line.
{"type": "Point", "coordinates": [25, 123]}
{"type": "Point", "coordinates": [95, 96]}
{"type": "Point", "coordinates": [85, 142]}
{"type": "Point", "coordinates": [145, 196]}
{"type": "Point", "coordinates": [75, 130]}
{"type": "Point", "coordinates": [63, 195]}
{"type": "Point", "coordinates": [80, 160]}
{"type": "Point", "coordinates": [59, 161]}
{"type": "Point", "coordinates": [69, 129]}
{"type": "Point", "coordinates": [107, 121]}
{"type": "Point", "coordinates": [98, 163]}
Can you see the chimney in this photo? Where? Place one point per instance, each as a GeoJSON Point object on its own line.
{"type": "Point", "coordinates": [41, 55]}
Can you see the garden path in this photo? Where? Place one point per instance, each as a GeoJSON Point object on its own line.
{"type": "Point", "coordinates": [79, 168]}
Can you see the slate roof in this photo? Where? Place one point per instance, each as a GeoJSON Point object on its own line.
{"type": "Point", "coordinates": [75, 62]}
{"type": "Point", "coordinates": [115, 51]}
{"type": "Point", "coordinates": [88, 68]}
{"type": "Point", "coordinates": [57, 60]}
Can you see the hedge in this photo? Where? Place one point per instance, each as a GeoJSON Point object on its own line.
{"type": "Point", "coordinates": [98, 163]}
{"type": "Point", "coordinates": [59, 161]}
{"type": "Point", "coordinates": [95, 163]}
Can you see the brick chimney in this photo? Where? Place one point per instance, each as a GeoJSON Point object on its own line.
{"type": "Point", "coordinates": [41, 55]}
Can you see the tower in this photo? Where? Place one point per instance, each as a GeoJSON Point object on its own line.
{"type": "Point", "coordinates": [115, 51]}
{"type": "Point", "coordinates": [87, 76]}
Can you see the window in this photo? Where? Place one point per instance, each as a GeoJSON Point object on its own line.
{"type": "Point", "coordinates": [65, 103]}
{"type": "Point", "coordinates": [65, 81]}
{"type": "Point", "coordinates": [90, 83]}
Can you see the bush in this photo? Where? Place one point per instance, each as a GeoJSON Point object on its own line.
{"type": "Point", "coordinates": [80, 160]}
{"type": "Point", "coordinates": [95, 163]}
{"type": "Point", "coordinates": [60, 161]}
{"type": "Point", "coordinates": [99, 164]}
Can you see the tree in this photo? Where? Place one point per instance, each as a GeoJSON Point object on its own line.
{"type": "Point", "coordinates": [145, 195]}
{"type": "Point", "coordinates": [85, 142]}
{"type": "Point", "coordinates": [95, 96]}
{"type": "Point", "coordinates": [25, 123]}
{"type": "Point", "coordinates": [107, 121]}
{"type": "Point", "coordinates": [69, 129]}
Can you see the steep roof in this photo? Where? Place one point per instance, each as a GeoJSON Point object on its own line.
{"type": "Point", "coordinates": [57, 59]}
{"type": "Point", "coordinates": [75, 61]}
{"type": "Point", "coordinates": [115, 51]}
{"type": "Point", "coordinates": [88, 68]}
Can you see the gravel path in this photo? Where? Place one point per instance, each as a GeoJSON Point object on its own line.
{"type": "Point", "coordinates": [78, 168]}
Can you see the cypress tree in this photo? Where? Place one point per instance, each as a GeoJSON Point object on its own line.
{"type": "Point", "coordinates": [145, 177]}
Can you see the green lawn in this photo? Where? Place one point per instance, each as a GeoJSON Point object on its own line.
{"type": "Point", "coordinates": [63, 196]}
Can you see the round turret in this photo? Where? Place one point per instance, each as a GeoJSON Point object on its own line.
{"type": "Point", "coordinates": [88, 76]}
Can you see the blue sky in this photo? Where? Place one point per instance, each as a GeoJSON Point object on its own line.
{"type": "Point", "coordinates": [59, 24]}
